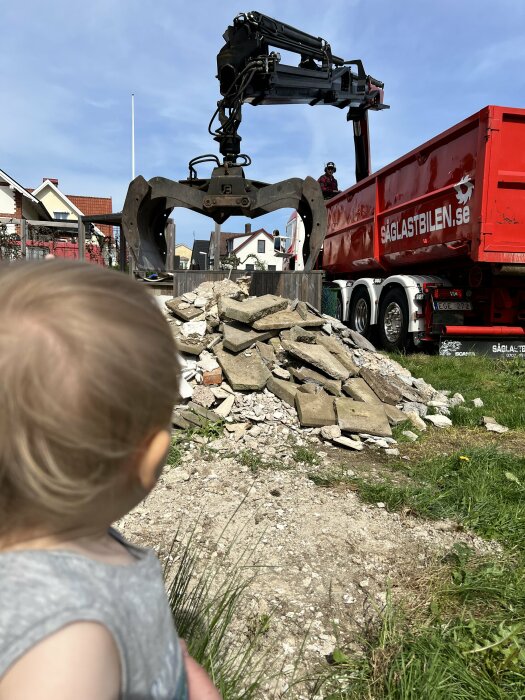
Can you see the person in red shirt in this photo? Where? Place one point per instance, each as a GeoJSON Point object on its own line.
{"type": "Point", "coordinates": [328, 182]}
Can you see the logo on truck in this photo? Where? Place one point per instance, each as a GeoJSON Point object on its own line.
{"type": "Point", "coordinates": [437, 219]}
{"type": "Point", "coordinates": [464, 189]}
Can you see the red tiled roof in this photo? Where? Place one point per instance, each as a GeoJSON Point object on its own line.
{"type": "Point", "coordinates": [94, 205]}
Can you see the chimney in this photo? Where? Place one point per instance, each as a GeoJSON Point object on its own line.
{"type": "Point", "coordinates": [52, 180]}
{"type": "Point", "coordinates": [247, 228]}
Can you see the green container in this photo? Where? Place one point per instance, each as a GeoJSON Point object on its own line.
{"type": "Point", "coordinates": [329, 301]}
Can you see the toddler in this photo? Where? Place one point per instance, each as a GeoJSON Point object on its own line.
{"type": "Point", "coordinates": [88, 379]}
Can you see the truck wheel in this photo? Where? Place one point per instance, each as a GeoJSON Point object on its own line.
{"type": "Point", "coordinates": [360, 312]}
{"type": "Point", "coordinates": [393, 321]}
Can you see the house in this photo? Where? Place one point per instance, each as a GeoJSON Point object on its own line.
{"type": "Point", "coordinates": [47, 203]}
{"type": "Point", "coordinates": [69, 207]}
{"type": "Point", "coordinates": [251, 250]}
{"type": "Point", "coordinates": [200, 255]}
{"type": "Point", "coordinates": [183, 253]}
{"type": "Point", "coordinates": [19, 203]}
{"type": "Point", "coordinates": [101, 245]}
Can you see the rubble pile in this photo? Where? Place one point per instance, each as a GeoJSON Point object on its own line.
{"type": "Point", "coordinates": [269, 365]}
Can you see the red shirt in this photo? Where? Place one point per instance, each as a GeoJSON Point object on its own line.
{"type": "Point", "coordinates": [328, 185]}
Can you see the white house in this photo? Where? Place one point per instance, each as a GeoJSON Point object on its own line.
{"type": "Point", "coordinates": [253, 250]}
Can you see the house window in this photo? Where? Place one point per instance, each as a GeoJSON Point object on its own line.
{"type": "Point", "coordinates": [272, 268]}
{"type": "Point", "coordinates": [60, 215]}
{"type": "Point", "coordinates": [250, 267]}
{"type": "Point", "coordinates": [261, 245]}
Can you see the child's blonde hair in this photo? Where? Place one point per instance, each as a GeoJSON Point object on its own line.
{"type": "Point", "coordinates": [88, 372]}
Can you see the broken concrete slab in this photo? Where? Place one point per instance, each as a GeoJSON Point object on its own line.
{"type": "Point", "coordinates": [245, 372]}
{"type": "Point", "coordinates": [191, 328]}
{"type": "Point", "coordinates": [315, 410]}
{"type": "Point", "coordinates": [191, 346]}
{"type": "Point", "coordinates": [203, 412]}
{"type": "Point", "coordinates": [186, 314]}
{"type": "Point", "coordinates": [340, 351]}
{"type": "Point", "coordinates": [416, 420]}
{"type": "Point", "coordinates": [358, 417]}
{"type": "Point", "coordinates": [390, 389]}
{"type": "Point", "coordinates": [203, 396]}
{"type": "Point", "coordinates": [281, 372]}
{"type": "Point", "coordinates": [266, 352]}
{"type": "Point", "coordinates": [350, 444]}
{"type": "Point", "coordinates": [224, 409]}
{"type": "Point", "coordinates": [305, 374]}
{"type": "Point", "coordinates": [299, 335]}
{"type": "Point", "coordinates": [238, 338]}
{"type": "Point", "coordinates": [330, 432]}
{"type": "Point", "coordinates": [286, 319]}
{"type": "Point", "coordinates": [179, 421]}
{"type": "Point", "coordinates": [319, 357]}
{"type": "Point", "coordinates": [356, 388]}
{"type": "Point", "coordinates": [439, 421]}
{"type": "Point", "coordinates": [395, 415]}
{"type": "Point", "coordinates": [194, 419]}
{"type": "Point", "coordinates": [250, 310]}
{"type": "Point", "coordinates": [283, 389]}
{"type": "Point", "coordinates": [360, 341]}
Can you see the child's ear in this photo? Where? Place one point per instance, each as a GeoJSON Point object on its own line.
{"type": "Point", "coordinates": [152, 460]}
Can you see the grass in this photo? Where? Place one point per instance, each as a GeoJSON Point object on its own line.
{"type": "Point", "coordinates": [181, 438]}
{"type": "Point", "coordinates": [499, 383]}
{"type": "Point", "coordinates": [465, 635]}
{"type": "Point", "coordinates": [204, 603]}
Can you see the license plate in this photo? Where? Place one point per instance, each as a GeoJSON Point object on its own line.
{"type": "Point", "coordinates": [453, 305]}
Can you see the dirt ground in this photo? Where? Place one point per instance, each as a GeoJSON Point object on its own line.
{"type": "Point", "coordinates": [323, 560]}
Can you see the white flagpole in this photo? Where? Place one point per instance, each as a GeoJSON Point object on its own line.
{"type": "Point", "coordinates": [132, 136]}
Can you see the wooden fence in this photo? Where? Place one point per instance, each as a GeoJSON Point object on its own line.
{"type": "Point", "coordinates": [305, 286]}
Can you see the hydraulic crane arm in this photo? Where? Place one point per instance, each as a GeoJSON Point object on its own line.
{"type": "Point", "coordinates": [250, 72]}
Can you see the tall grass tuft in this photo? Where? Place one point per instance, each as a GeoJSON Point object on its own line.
{"type": "Point", "coordinates": [205, 600]}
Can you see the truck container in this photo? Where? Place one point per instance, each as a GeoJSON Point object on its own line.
{"type": "Point", "coordinates": [431, 248]}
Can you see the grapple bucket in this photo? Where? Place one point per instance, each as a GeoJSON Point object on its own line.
{"type": "Point", "coordinates": [227, 193]}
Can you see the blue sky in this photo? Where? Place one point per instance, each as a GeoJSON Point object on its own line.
{"type": "Point", "coordinates": [69, 68]}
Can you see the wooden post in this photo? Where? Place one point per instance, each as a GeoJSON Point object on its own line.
{"type": "Point", "coordinates": [23, 238]}
{"type": "Point", "coordinates": [217, 251]}
{"type": "Point", "coordinates": [81, 239]}
{"type": "Point", "coordinates": [122, 251]}
{"type": "Point", "coordinates": [170, 245]}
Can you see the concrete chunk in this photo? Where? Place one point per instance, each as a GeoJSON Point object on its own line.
{"type": "Point", "coordinates": [319, 357]}
{"type": "Point", "coordinates": [389, 389]}
{"type": "Point", "coordinates": [237, 338]}
{"type": "Point", "coordinates": [283, 389]}
{"type": "Point", "coordinates": [315, 410]}
{"type": "Point", "coordinates": [245, 372]}
{"type": "Point", "coordinates": [191, 346]}
{"type": "Point", "coordinates": [358, 417]}
{"type": "Point", "coordinates": [358, 389]}
{"type": "Point", "coordinates": [186, 313]}
{"type": "Point", "coordinates": [395, 415]}
{"type": "Point", "coordinates": [349, 443]}
{"type": "Point", "coordinates": [305, 374]}
{"type": "Point", "coordinates": [337, 348]}
{"type": "Point", "coordinates": [286, 319]}
{"type": "Point", "coordinates": [250, 310]}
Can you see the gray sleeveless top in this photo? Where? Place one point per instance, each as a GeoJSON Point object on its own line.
{"type": "Point", "coordinates": [41, 591]}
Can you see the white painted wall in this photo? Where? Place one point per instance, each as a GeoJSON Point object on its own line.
{"type": "Point", "coordinates": [8, 206]}
{"type": "Point", "coordinates": [7, 200]}
{"type": "Point", "coordinates": [268, 257]}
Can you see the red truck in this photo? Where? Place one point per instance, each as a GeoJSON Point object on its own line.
{"type": "Point", "coordinates": [431, 248]}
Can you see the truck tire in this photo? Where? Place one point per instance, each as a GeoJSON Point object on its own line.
{"type": "Point", "coordinates": [393, 322]}
{"type": "Point", "coordinates": [360, 312]}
